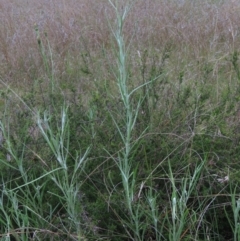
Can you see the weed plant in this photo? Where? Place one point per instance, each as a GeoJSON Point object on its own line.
{"type": "Point", "coordinates": [119, 121]}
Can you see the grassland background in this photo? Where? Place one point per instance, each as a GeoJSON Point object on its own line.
{"type": "Point", "coordinates": [55, 53]}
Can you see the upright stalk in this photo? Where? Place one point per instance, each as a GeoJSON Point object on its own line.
{"type": "Point", "coordinates": [124, 161]}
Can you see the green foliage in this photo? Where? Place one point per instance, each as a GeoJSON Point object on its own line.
{"type": "Point", "coordinates": [141, 153]}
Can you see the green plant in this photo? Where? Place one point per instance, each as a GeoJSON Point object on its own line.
{"type": "Point", "coordinates": [179, 202]}
{"type": "Point", "coordinates": [124, 160]}
{"type": "Point", "coordinates": [235, 205]}
{"type": "Point", "coordinates": [68, 182]}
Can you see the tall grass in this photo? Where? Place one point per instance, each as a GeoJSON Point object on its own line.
{"type": "Point", "coordinates": [130, 112]}
{"type": "Point", "coordinates": [119, 120]}
{"type": "Point", "coordinates": [26, 202]}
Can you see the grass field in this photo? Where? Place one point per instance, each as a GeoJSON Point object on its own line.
{"type": "Point", "coordinates": [119, 120]}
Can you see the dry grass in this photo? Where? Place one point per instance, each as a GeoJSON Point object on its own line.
{"type": "Point", "coordinates": [198, 32]}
